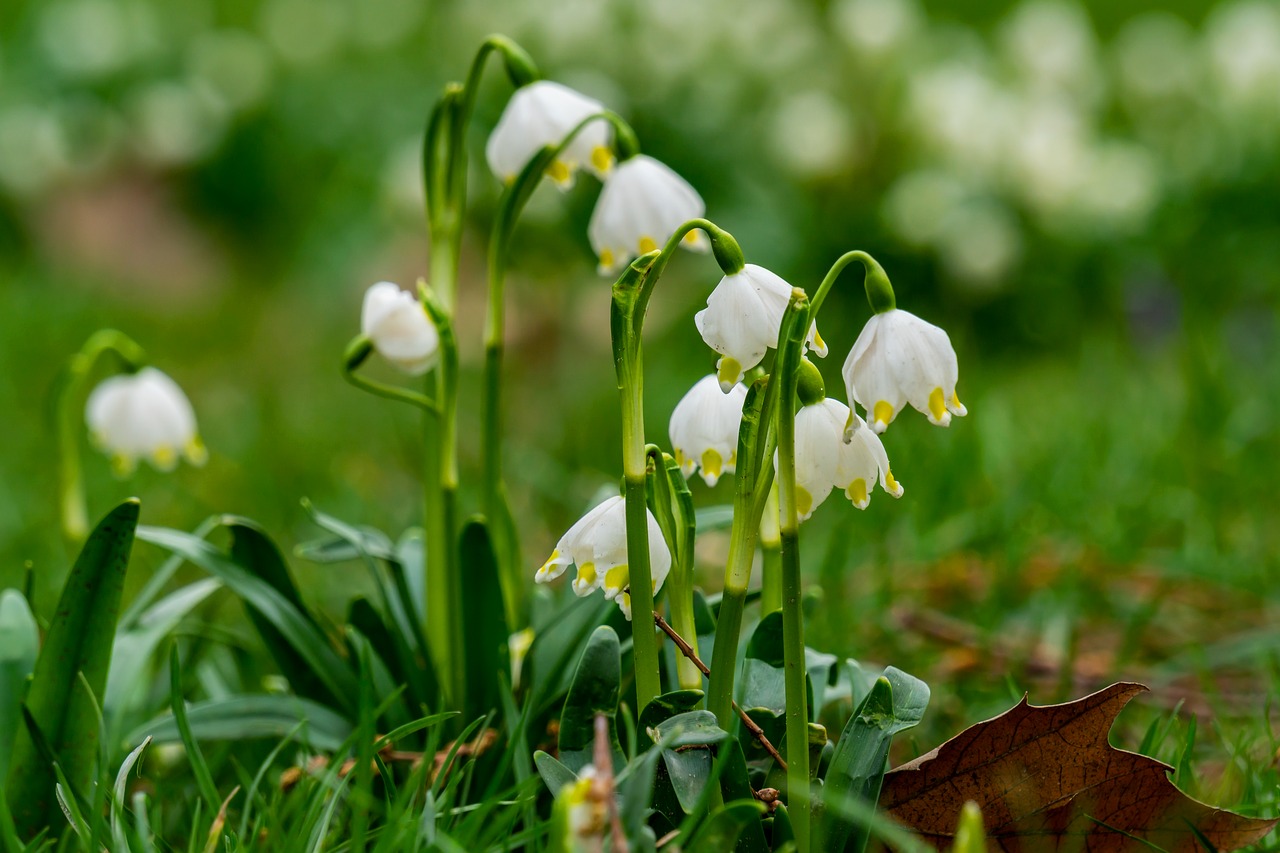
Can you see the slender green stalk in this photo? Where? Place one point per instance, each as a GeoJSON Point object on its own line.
{"type": "Point", "coordinates": [771, 555]}
{"type": "Point", "coordinates": [512, 203]}
{"type": "Point", "coordinates": [672, 505]}
{"type": "Point", "coordinates": [794, 326]}
{"type": "Point", "coordinates": [357, 351]}
{"type": "Point", "coordinates": [69, 415]}
{"type": "Point", "coordinates": [629, 366]}
{"type": "Point", "coordinates": [876, 283]}
{"type": "Point", "coordinates": [631, 294]}
{"type": "Point", "coordinates": [742, 546]}
{"type": "Point", "coordinates": [444, 587]}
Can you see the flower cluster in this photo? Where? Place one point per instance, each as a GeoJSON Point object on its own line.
{"type": "Point", "coordinates": [597, 545]}
{"type": "Point", "coordinates": [825, 459]}
{"type": "Point", "coordinates": [642, 202]}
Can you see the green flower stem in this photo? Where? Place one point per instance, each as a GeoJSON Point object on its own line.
{"type": "Point", "coordinates": [876, 283]}
{"type": "Point", "coordinates": [357, 351]}
{"type": "Point", "coordinates": [790, 348]}
{"type": "Point", "coordinates": [747, 509]}
{"type": "Point", "coordinates": [631, 294]}
{"type": "Point", "coordinates": [672, 505]}
{"type": "Point", "coordinates": [626, 323]}
{"type": "Point", "coordinates": [444, 592]}
{"type": "Point", "coordinates": [771, 554]}
{"type": "Point", "coordinates": [69, 413]}
{"type": "Point", "coordinates": [512, 203]}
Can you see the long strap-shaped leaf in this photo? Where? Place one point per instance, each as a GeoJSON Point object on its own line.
{"type": "Point", "coordinates": [78, 643]}
{"type": "Point", "coordinates": [294, 626]}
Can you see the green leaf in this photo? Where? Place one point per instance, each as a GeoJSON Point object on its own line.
{"type": "Point", "coordinates": [762, 685]}
{"type": "Point", "coordinates": [595, 688]}
{"type": "Point", "coordinates": [766, 640]}
{"type": "Point", "coordinates": [252, 717]}
{"type": "Point", "coordinates": [553, 773]}
{"type": "Point", "coordinates": [722, 829]}
{"type": "Point", "coordinates": [297, 629]}
{"type": "Point", "coordinates": [131, 656]}
{"type": "Point", "coordinates": [666, 706]}
{"type": "Point", "coordinates": [254, 550]}
{"type": "Point", "coordinates": [896, 702]}
{"type": "Point", "coordinates": [549, 661]}
{"type": "Point", "coordinates": [484, 622]}
{"type": "Point", "coordinates": [689, 769]}
{"type": "Point", "coordinates": [692, 728]}
{"type": "Point", "coordinates": [76, 653]}
{"type": "Point", "coordinates": [19, 644]}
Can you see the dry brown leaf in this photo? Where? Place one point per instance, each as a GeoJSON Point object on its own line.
{"type": "Point", "coordinates": [1047, 779]}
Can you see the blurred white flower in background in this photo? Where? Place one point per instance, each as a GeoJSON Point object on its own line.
{"type": "Point", "coordinates": [399, 328]}
{"type": "Point", "coordinates": [876, 28]}
{"type": "Point", "coordinates": [235, 66]}
{"type": "Point", "coordinates": [811, 135]}
{"type": "Point", "coordinates": [1051, 45]}
{"type": "Point", "coordinates": [94, 38]}
{"type": "Point", "coordinates": [33, 149]}
{"type": "Point", "coordinates": [543, 113]}
{"type": "Point", "coordinates": [143, 415]}
{"type": "Point", "coordinates": [305, 32]}
{"type": "Point", "coordinates": [704, 429]}
{"type": "Point", "coordinates": [597, 545]}
{"type": "Point", "coordinates": [174, 123]}
{"type": "Point", "coordinates": [1156, 57]}
{"type": "Point", "coordinates": [642, 204]}
{"type": "Point", "coordinates": [1243, 44]}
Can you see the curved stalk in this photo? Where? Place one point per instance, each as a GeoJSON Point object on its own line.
{"type": "Point", "coordinates": [876, 283]}
{"type": "Point", "coordinates": [357, 351]}
{"type": "Point", "coordinates": [70, 416]}
{"type": "Point", "coordinates": [672, 505]}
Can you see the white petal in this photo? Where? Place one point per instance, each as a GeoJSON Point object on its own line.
{"type": "Point", "coordinates": [706, 420]}
{"type": "Point", "coordinates": [641, 205]}
{"type": "Point", "coordinates": [399, 328]}
{"type": "Point", "coordinates": [743, 315]}
{"type": "Point", "coordinates": [143, 416]}
{"type": "Point", "coordinates": [540, 114]}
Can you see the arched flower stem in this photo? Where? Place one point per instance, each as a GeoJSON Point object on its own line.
{"type": "Point", "coordinates": [69, 412]}
{"type": "Point", "coordinates": [875, 283]}
{"type": "Point", "coordinates": [357, 351]}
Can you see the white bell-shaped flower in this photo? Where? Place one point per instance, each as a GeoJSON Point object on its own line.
{"type": "Point", "coordinates": [900, 359]}
{"type": "Point", "coordinates": [399, 328]}
{"type": "Point", "coordinates": [742, 319]}
{"type": "Point", "coordinates": [642, 204]}
{"type": "Point", "coordinates": [541, 114]}
{"type": "Point", "coordinates": [825, 461]}
{"type": "Point", "coordinates": [597, 545]}
{"type": "Point", "coordinates": [143, 415]}
{"type": "Point", "coordinates": [704, 429]}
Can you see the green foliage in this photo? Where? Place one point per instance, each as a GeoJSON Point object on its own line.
{"type": "Point", "coordinates": [19, 643]}
{"type": "Point", "coordinates": [64, 701]}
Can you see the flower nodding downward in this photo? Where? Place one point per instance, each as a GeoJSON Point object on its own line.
{"type": "Point", "coordinates": [143, 415]}
{"type": "Point", "coordinates": [704, 429]}
{"type": "Point", "coordinates": [543, 113]}
{"type": "Point", "coordinates": [900, 359]}
{"type": "Point", "coordinates": [597, 545]}
{"type": "Point", "coordinates": [398, 327]}
{"type": "Point", "coordinates": [642, 204]}
{"type": "Point", "coordinates": [741, 321]}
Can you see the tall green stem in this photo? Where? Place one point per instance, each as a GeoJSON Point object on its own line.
{"type": "Point", "coordinates": [672, 505]}
{"type": "Point", "coordinates": [771, 556]}
{"type": "Point", "coordinates": [749, 481]}
{"type": "Point", "coordinates": [794, 326]}
{"type": "Point", "coordinates": [629, 365]}
{"type": "Point", "coordinates": [70, 419]}
{"type": "Point", "coordinates": [513, 201]}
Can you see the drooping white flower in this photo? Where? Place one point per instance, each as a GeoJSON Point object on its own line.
{"type": "Point", "coordinates": [541, 114]}
{"type": "Point", "coordinates": [704, 429]}
{"type": "Point", "coordinates": [143, 415]}
{"type": "Point", "coordinates": [900, 359]}
{"type": "Point", "coordinates": [597, 545]}
{"type": "Point", "coordinates": [642, 204]}
{"type": "Point", "coordinates": [742, 319]}
{"type": "Point", "coordinates": [824, 460]}
{"type": "Point", "coordinates": [399, 328]}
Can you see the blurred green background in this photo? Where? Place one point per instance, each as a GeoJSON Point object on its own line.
{"type": "Point", "coordinates": [1085, 196]}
